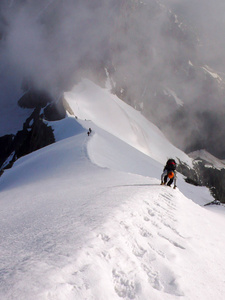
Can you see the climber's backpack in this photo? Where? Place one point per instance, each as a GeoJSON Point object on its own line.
{"type": "Point", "coordinates": [171, 165]}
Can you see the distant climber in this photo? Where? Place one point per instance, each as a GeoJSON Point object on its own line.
{"type": "Point", "coordinates": [89, 131]}
{"type": "Point", "coordinates": [169, 173]}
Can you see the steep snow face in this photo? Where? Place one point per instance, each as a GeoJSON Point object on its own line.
{"type": "Point", "coordinates": [90, 102]}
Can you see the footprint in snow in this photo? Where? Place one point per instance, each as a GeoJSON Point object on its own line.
{"type": "Point", "coordinates": [146, 219]}
{"type": "Point", "coordinates": [104, 237]}
{"type": "Point", "coordinates": [172, 242]}
{"type": "Point", "coordinates": [166, 224]}
{"type": "Point", "coordinates": [144, 232]}
{"type": "Point", "coordinates": [138, 250]}
{"type": "Point", "coordinates": [166, 281]}
{"type": "Point", "coordinates": [151, 213]}
{"type": "Point", "coordinates": [124, 286]}
{"type": "Point", "coordinates": [153, 277]}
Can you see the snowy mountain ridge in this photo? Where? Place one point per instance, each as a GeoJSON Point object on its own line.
{"type": "Point", "coordinates": [133, 128]}
{"type": "Point", "coordinates": [86, 218]}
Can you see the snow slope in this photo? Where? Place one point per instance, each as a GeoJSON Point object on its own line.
{"type": "Point", "coordinates": [89, 102]}
{"type": "Point", "coordinates": [86, 218]}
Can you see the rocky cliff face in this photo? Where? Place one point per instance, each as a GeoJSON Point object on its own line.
{"type": "Point", "coordinates": [35, 133]}
{"type": "Point", "coordinates": [206, 172]}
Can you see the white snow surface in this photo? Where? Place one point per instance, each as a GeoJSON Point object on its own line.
{"type": "Point", "coordinates": [116, 117]}
{"type": "Point", "coordinates": [86, 219]}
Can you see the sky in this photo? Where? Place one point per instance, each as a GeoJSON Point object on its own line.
{"type": "Point", "coordinates": [86, 217]}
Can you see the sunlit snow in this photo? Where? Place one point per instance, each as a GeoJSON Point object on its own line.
{"type": "Point", "coordinates": [86, 219]}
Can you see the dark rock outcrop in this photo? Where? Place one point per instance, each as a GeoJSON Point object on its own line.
{"type": "Point", "coordinates": [205, 174]}
{"type": "Point", "coordinates": [36, 133]}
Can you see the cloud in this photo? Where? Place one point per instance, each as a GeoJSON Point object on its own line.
{"type": "Point", "coordinates": [146, 49]}
{"type": "Point", "coordinates": [208, 20]}
{"type": "Point", "coordinates": [47, 42]}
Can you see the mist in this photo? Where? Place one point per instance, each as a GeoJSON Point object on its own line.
{"type": "Point", "coordinates": [146, 49]}
{"type": "Point", "coordinates": [46, 42]}
{"type": "Point", "coordinates": [207, 18]}
{"type": "Point", "coordinates": [49, 40]}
